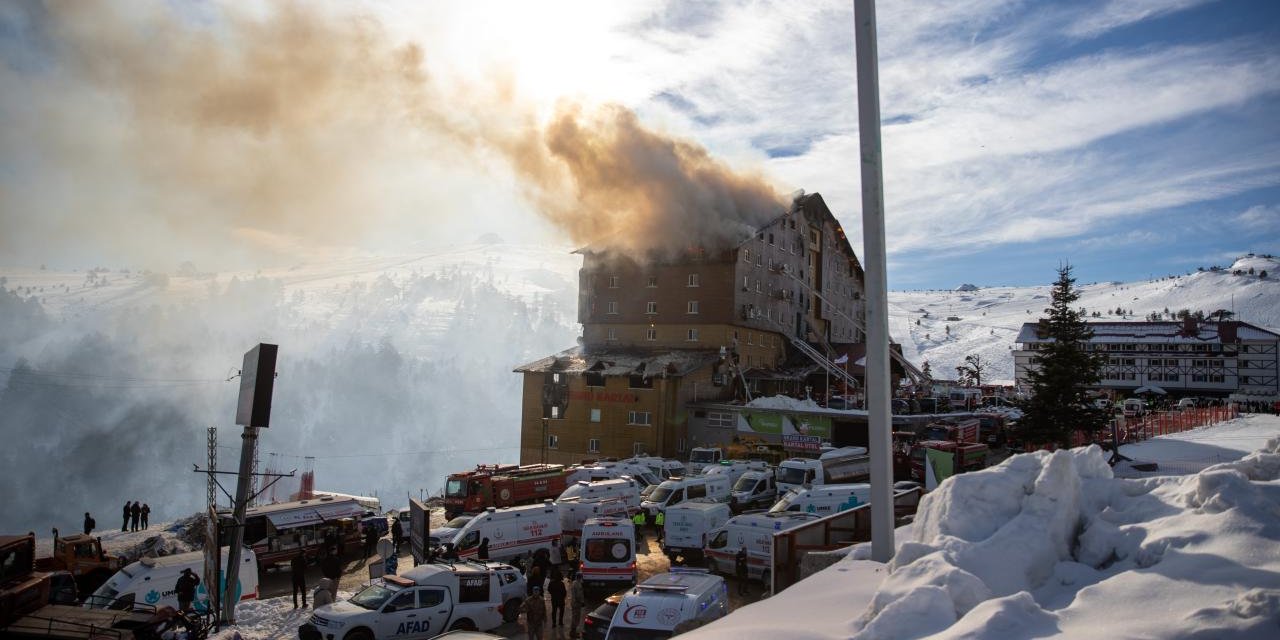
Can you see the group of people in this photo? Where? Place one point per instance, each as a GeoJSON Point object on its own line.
{"type": "Point", "coordinates": [135, 516]}
{"type": "Point", "coordinates": [327, 590]}
{"type": "Point", "coordinates": [657, 522]}
{"type": "Point", "coordinates": [552, 582]}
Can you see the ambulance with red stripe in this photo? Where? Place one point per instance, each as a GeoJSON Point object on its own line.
{"type": "Point", "coordinates": [755, 532]}
{"type": "Point", "coordinates": [668, 604]}
{"type": "Point", "coordinates": [608, 553]}
{"type": "Point", "coordinates": [512, 532]}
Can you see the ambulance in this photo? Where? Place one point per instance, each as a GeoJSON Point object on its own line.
{"type": "Point", "coordinates": [754, 490]}
{"type": "Point", "coordinates": [512, 532]}
{"type": "Point", "coordinates": [574, 512]}
{"type": "Point", "coordinates": [608, 470]}
{"type": "Point", "coordinates": [625, 487]}
{"type": "Point", "coordinates": [151, 581]}
{"type": "Point", "coordinates": [663, 468]}
{"type": "Point", "coordinates": [608, 553]}
{"type": "Point", "coordinates": [754, 531]}
{"type": "Point", "coordinates": [686, 527]}
{"type": "Point", "coordinates": [677, 490]}
{"type": "Point", "coordinates": [734, 469]}
{"type": "Point", "coordinates": [824, 499]}
{"type": "Point", "coordinates": [669, 603]}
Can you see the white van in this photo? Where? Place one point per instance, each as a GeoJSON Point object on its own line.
{"type": "Point", "coordinates": [669, 603]}
{"type": "Point", "coordinates": [825, 499]}
{"type": "Point", "coordinates": [422, 602]}
{"type": "Point", "coordinates": [734, 468]}
{"type": "Point", "coordinates": [700, 457]}
{"type": "Point", "coordinates": [151, 581]}
{"type": "Point", "coordinates": [754, 490]}
{"type": "Point", "coordinates": [663, 468]}
{"type": "Point", "coordinates": [610, 470]}
{"type": "Point", "coordinates": [1133, 407]}
{"type": "Point", "coordinates": [686, 527]}
{"type": "Point", "coordinates": [1187, 403]}
{"type": "Point", "coordinates": [624, 487]}
{"type": "Point", "coordinates": [448, 531]}
{"type": "Point", "coordinates": [512, 532]}
{"type": "Point", "coordinates": [677, 490]}
{"type": "Point", "coordinates": [755, 532]}
{"type": "Point", "coordinates": [574, 512]}
{"type": "Point", "coordinates": [841, 466]}
{"type": "Point", "coordinates": [608, 553]}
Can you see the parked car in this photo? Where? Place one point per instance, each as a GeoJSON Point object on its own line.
{"type": "Point", "coordinates": [595, 625]}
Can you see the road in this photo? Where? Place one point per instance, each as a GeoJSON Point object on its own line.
{"type": "Point", "coordinates": [355, 574]}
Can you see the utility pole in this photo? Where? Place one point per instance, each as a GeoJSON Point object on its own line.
{"type": "Point", "coordinates": [873, 239]}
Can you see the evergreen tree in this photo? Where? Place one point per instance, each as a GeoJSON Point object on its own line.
{"type": "Point", "coordinates": [1064, 369]}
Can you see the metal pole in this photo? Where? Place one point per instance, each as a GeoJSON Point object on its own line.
{"type": "Point", "coordinates": [877, 371]}
{"type": "Point", "coordinates": [248, 442]}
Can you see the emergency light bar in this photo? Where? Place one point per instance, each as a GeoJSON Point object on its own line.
{"type": "Point", "coordinates": [663, 587]}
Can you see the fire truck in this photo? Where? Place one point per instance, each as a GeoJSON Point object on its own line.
{"type": "Point", "coordinates": [502, 486]}
{"type": "Point", "coordinates": [965, 456]}
{"type": "Point", "coordinates": [964, 430]}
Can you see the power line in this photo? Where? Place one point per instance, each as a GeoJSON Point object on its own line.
{"type": "Point", "coordinates": [113, 378]}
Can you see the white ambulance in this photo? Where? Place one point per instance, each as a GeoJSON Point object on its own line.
{"type": "Point", "coordinates": [625, 487]}
{"type": "Point", "coordinates": [151, 581]}
{"type": "Point", "coordinates": [608, 553]}
{"type": "Point", "coordinates": [755, 532]}
{"type": "Point", "coordinates": [422, 602]}
{"type": "Point", "coordinates": [609, 470]}
{"type": "Point", "coordinates": [512, 532]}
{"type": "Point", "coordinates": [824, 499]}
{"type": "Point", "coordinates": [663, 468]}
{"type": "Point", "coordinates": [677, 490]}
{"type": "Point", "coordinates": [669, 603]}
{"type": "Point", "coordinates": [686, 527]}
{"type": "Point", "coordinates": [574, 512]}
{"type": "Point", "coordinates": [754, 490]}
{"type": "Point", "coordinates": [734, 468]}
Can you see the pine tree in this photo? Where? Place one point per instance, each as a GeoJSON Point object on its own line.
{"type": "Point", "coordinates": [1064, 369]}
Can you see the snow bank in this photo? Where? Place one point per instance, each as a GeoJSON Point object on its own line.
{"type": "Point", "coordinates": [783, 402]}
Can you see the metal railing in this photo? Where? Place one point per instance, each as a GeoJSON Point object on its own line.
{"type": "Point", "coordinates": [828, 534]}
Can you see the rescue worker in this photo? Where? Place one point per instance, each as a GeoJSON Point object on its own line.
{"type": "Point", "coordinates": [535, 614]}
{"type": "Point", "coordinates": [579, 598]}
{"type": "Point", "coordinates": [397, 533]}
{"type": "Point", "coordinates": [557, 591]}
{"type": "Point", "coordinates": [482, 554]}
{"type": "Point", "coordinates": [146, 513]}
{"type": "Point", "coordinates": [89, 523]}
{"type": "Point", "coordinates": [298, 575]}
{"type": "Point", "coordinates": [658, 522]}
{"type": "Point", "coordinates": [135, 515]}
{"type": "Point", "coordinates": [323, 594]}
{"type": "Point", "coordinates": [186, 589]}
{"type": "Point", "coordinates": [125, 526]}
{"type": "Point", "coordinates": [740, 570]}
{"type": "Point", "coordinates": [638, 521]}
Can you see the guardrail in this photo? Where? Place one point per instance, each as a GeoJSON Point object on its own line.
{"type": "Point", "coordinates": [827, 534]}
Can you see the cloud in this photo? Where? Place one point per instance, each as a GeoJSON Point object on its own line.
{"type": "Point", "coordinates": [1113, 14]}
{"type": "Point", "coordinates": [1260, 218]}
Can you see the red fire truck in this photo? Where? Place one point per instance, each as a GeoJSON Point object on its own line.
{"type": "Point", "coordinates": [496, 485]}
{"type": "Point", "coordinates": [966, 456]}
{"type": "Point", "coordinates": [965, 430]}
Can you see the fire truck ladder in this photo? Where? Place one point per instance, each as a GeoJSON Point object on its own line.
{"type": "Point", "coordinates": [834, 369]}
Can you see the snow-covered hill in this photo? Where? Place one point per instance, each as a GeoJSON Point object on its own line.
{"type": "Point", "coordinates": [988, 319]}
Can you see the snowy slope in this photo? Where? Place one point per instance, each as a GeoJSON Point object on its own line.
{"type": "Point", "coordinates": [1051, 545]}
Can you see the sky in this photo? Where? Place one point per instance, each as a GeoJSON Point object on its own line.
{"type": "Point", "coordinates": [1129, 138]}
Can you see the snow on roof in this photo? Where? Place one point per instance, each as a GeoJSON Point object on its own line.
{"type": "Point", "coordinates": [783, 402]}
{"type": "Point", "coordinates": [674, 362]}
{"type": "Point", "coordinates": [1052, 545]}
{"type": "Point", "coordinates": [1159, 332]}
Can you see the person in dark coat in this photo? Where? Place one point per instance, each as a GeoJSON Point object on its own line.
{"type": "Point", "coordinates": [186, 589]}
{"type": "Point", "coordinates": [89, 523]}
{"type": "Point", "coordinates": [298, 574]}
{"type": "Point", "coordinates": [146, 513]}
{"type": "Point", "coordinates": [135, 515]}
{"type": "Point", "coordinates": [740, 570]}
{"type": "Point", "coordinates": [534, 580]}
{"type": "Point", "coordinates": [370, 542]}
{"type": "Point", "coordinates": [397, 534]}
{"type": "Point", "coordinates": [125, 526]}
{"type": "Point", "coordinates": [557, 591]}
{"type": "Point", "coordinates": [482, 554]}
{"type": "Point", "coordinates": [331, 567]}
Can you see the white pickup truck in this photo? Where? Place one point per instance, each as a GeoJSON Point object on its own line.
{"type": "Point", "coordinates": [423, 602]}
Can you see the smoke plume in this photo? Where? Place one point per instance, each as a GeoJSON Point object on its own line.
{"type": "Point", "coordinates": [296, 128]}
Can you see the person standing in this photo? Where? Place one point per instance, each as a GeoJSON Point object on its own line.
{"type": "Point", "coordinates": [89, 523]}
{"type": "Point", "coordinates": [186, 589]}
{"type": "Point", "coordinates": [740, 570]}
{"type": "Point", "coordinates": [370, 541]}
{"type": "Point", "coordinates": [578, 594]}
{"type": "Point", "coordinates": [125, 526]}
{"type": "Point", "coordinates": [638, 521]}
{"type": "Point", "coordinates": [397, 533]}
{"type": "Point", "coordinates": [298, 574]}
{"type": "Point", "coordinates": [534, 582]}
{"type": "Point", "coordinates": [146, 514]}
{"type": "Point", "coordinates": [135, 515]}
{"type": "Point", "coordinates": [482, 554]}
{"type": "Point", "coordinates": [658, 523]}
{"type": "Point", "coordinates": [331, 567]}
{"type": "Point", "coordinates": [557, 592]}
{"type": "Point", "coordinates": [535, 614]}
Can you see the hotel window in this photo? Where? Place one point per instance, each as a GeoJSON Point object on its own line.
{"type": "Point", "coordinates": [651, 335]}
{"type": "Point", "coordinates": [612, 335]}
{"type": "Point", "coordinates": [639, 417]}
{"type": "Point", "coordinates": [758, 289]}
{"type": "Point", "coordinates": [555, 412]}
{"type": "Point", "coordinates": [680, 448]}
{"type": "Point", "coordinates": [553, 441]}
{"type": "Point", "coordinates": [693, 307]}
{"type": "Point", "coordinates": [613, 282]}
{"type": "Point", "coordinates": [653, 282]}
{"type": "Point", "coordinates": [593, 445]}
{"type": "Point", "coordinates": [693, 280]}
{"type": "Point", "coordinates": [651, 307]}
{"type": "Point", "coordinates": [746, 283]}
{"type": "Point", "coordinates": [637, 449]}
{"type": "Point", "coordinates": [595, 415]}
{"type": "Point", "coordinates": [611, 308]}
{"type": "Point", "coordinates": [746, 255]}
{"type": "Point", "coordinates": [722, 420]}
{"type": "Point", "coordinates": [692, 336]}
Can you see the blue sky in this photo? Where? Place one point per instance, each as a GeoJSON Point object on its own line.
{"type": "Point", "coordinates": [1128, 137]}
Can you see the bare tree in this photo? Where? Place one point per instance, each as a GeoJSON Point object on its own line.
{"type": "Point", "coordinates": [970, 372]}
